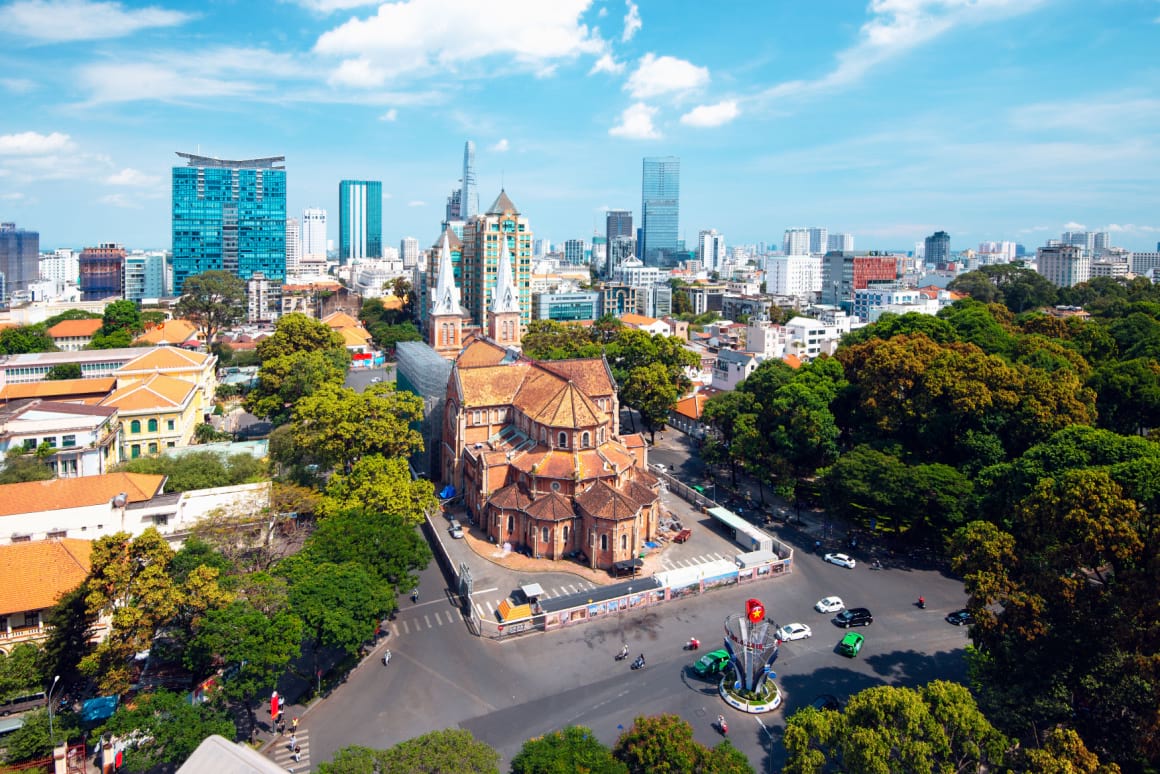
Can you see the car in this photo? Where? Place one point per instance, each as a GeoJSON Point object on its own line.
{"type": "Point", "coordinates": [855, 616]}
{"type": "Point", "coordinates": [376, 379]}
{"type": "Point", "coordinates": [826, 702]}
{"type": "Point", "coordinates": [794, 631]}
{"type": "Point", "coordinates": [842, 560]}
{"type": "Point", "coordinates": [829, 605]}
{"type": "Point", "coordinates": [456, 529]}
{"type": "Point", "coordinates": [683, 535]}
{"type": "Point", "coordinates": [959, 617]}
{"type": "Point", "coordinates": [851, 644]}
{"type": "Point", "coordinates": [711, 663]}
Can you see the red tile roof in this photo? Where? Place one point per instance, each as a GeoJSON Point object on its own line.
{"type": "Point", "coordinates": [35, 575]}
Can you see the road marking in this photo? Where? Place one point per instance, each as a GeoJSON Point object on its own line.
{"type": "Point", "coordinates": [479, 609]}
{"type": "Point", "coordinates": [428, 620]}
{"type": "Point", "coordinates": [490, 609]}
{"type": "Point", "coordinates": [406, 628]}
{"type": "Point", "coordinates": [484, 591]}
{"type": "Point", "coordinates": [717, 556]}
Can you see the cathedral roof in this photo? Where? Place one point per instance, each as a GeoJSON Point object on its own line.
{"type": "Point", "coordinates": [566, 407]}
{"type": "Point", "coordinates": [480, 352]}
{"type": "Point", "coordinates": [511, 497]}
{"type": "Point", "coordinates": [446, 302]}
{"type": "Point", "coordinates": [502, 205]}
{"type": "Point", "coordinates": [551, 507]}
{"type": "Point", "coordinates": [603, 501]}
{"type": "Point", "coordinates": [589, 374]}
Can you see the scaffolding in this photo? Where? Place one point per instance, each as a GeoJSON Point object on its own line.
{"type": "Point", "coordinates": [422, 371]}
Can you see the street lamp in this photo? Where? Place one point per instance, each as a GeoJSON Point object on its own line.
{"type": "Point", "coordinates": [51, 735]}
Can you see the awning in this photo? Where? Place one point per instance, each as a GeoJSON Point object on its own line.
{"type": "Point", "coordinates": [629, 565]}
{"type": "Point", "coordinates": [532, 590]}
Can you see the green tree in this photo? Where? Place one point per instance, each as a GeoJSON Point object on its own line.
{"type": "Point", "coordinates": [377, 483]}
{"type": "Point", "coordinates": [200, 470]}
{"type": "Point", "coordinates": [30, 338]}
{"type": "Point", "coordinates": [117, 339]}
{"type": "Point", "coordinates": [1020, 289]}
{"type": "Point", "coordinates": [167, 729]}
{"type": "Point", "coordinates": [1128, 395]}
{"type": "Point", "coordinates": [34, 740]}
{"type": "Point", "coordinates": [386, 544]}
{"type": "Point", "coordinates": [437, 752]}
{"type": "Point", "coordinates": [552, 340]}
{"type": "Point", "coordinates": [204, 432]}
{"type": "Point", "coordinates": [663, 744]}
{"type": "Point", "coordinates": [339, 604]}
{"type": "Point", "coordinates": [123, 315]}
{"type": "Point", "coordinates": [887, 729]}
{"type": "Point", "coordinates": [1064, 753]}
{"type": "Point", "coordinates": [890, 325]}
{"type": "Point", "coordinates": [213, 301]}
{"type": "Point", "coordinates": [194, 553]}
{"type": "Point", "coordinates": [70, 631]}
{"type": "Point", "coordinates": [20, 671]}
{"type": "Point", "coordinates": [20, 467]}
{"type": "Point", "coordinates": [573, 749]}
{"type": "Point", "coordinates": [296, 333]}
{"type": "Point", "coordinates": [62, 371]}
{"type": "Point", "coordinates": [338, 426]}
{"type": "Point", "coordinates": [283, 381]}
{"type": "Point", "coordinates": [650, 390]}
{"type": "Point", "coordinates": [388, 336]}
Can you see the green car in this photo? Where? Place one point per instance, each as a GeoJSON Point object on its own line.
{"type": "Point", "coordinates": [851, 644]}
{"type": "Point", "coordinates": [711, 663]}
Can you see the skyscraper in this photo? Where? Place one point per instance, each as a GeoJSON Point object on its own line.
{"type": "Point", "coordinates": [144, 276]}
{"type": "Point", "coordinates": [618, 226]}
{"type": "Point", "coordinates": [484, 238]}
{"type": "Point", "coordinates": [314, 233]}
{"type": "Point", "coordinates": [818, 240]}
{"type": "Point", "coordinates": [409, 251]}
{"type": "Point", "coordinates": [660, 208]}
{"type": "Point", "coordinates": [102, 270]}
{"type": "Point", "coordinates": [937, 249]}
{"type": "Point", "coordinates": [711, 250]}
{"type": "Point", "coordinates": [574, 252]}
{"type": "Point", "coordinates": [1065, 265]}
{"type": "Point", "coordinates": [360, 220]}
{"type": "Point", "coordinates": [19, 259]}
{"type": "Point", "coordinates": [840, 242]}
{"type": "Point", "coordinates": [796, 241]}
{"type": "Point", "coordinates": [469, 194]}
{"type": "Point", "coordinates": [293, 246]}
{"type": "Point", "coordinates": [229, 215]}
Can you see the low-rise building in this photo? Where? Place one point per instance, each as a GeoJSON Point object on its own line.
{"type": "Point", "coordinates": [355, 337]}
{"type": "Point", "coordinates": [82, 439]}
{"type": "Point", "coordinates": [156, 413]}
{"type": "Point", "coordinates": [871, 302]}
{"type": "Point", "coordinates": [647, 324]}
{"type": "Point", "coordinates": [686, 415]}
{"type": "Point", "coordinates": [732, 367]}
{"type": "Point", "coordinates": [33, 578]}
{"type": "Point", "coordinates": [175, 333]}
{"type": "Point", "coordinates": [74, 335]}
{"type": "Point", "coordinates": [91, 391]}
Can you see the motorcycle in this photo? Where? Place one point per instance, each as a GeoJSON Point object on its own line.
{"type": "Point", "coordinates": [623, 654]}
{"type": "Point", "coordinates": [386, 658]}
{"type": "Point", "coordinates": [921, 603]}
{"type": "Point", "coordinates": [638, 663]}
{"type": "Point", "coordinates": [692, 644]}
{"type": "Point", "coordinates": [876, 565]}
{"type": "Point", "coordinates": [722, 726]}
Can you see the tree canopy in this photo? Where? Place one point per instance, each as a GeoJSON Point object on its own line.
{"type": "Point", "coordinates": [167, 729]}
{"type": "Point", "coordinates": [438, 752]}
{"type": "Point", "coordinates": [337, 425]}
{"type": "Point", "coordinates": [213, 301]}
{"type": "Point", "coordinates": [200, 470]}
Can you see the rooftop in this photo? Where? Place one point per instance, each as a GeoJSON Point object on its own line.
{"type": "Point", "coordinates": [60, 493]}
{"type": "Point", "coordinates": [194, 160]}
{"type": "Point", "coordinates": [58, 566]}
{"type": "Point", "coordinates": [71, 329]}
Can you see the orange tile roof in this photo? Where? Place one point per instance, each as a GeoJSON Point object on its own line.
{"type": "Point", "coordinates": [603, 501]}
{"type": "Point", "coordinates": [551, 507]}
{"type": "Point", "coordinates": [628, 318]}
{"type": "Point", "coordinates": [793, 361]}
{"type": "Point", "coordinates": [62, 389]}
{"type": "Point", "coordinates": [175, 331]}
{"type": "Point", "coordinates": [692, 406]}
{"type": "Point", "coordinates": [59, 493]}
{"type": "Point", "coordinates": [589, 374]}
{"type": "Point", "coordinates": [354, 337]}
{"type": "Point", "coordinates": [339, 320]}
{"type": "Point", "coordinates": [511, 497]}
{"type": "Point", "coordinates": [35, 575]}
{"type": "Point", "coordinates": [163, 358]}
{"type": "Point", "coordinates": [70, 329]}
{"type": "Point", "coordinates": [633, 440]}
{"type": "Point", "coordinates": [491, 385]}
{"type": "Point", "coordinates": [157, 392]}
{"type": "Point", "coordinates": [480, 352]}
{"type": "Point", "coordinates": [567, 408]}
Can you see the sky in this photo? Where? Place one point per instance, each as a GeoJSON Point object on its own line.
{"type": "Point", "coordinates": [887, 119]}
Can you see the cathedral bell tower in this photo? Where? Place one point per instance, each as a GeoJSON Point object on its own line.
{"type": "Point", "coordinates": [503, 319]}
{"type": "Point", "coordinates": [445, 331]}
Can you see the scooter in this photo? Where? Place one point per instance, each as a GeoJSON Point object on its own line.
{"type": "Point", "coordinates": [623, 654]}
{"type": "Point", "coordinates": [722, 726]}
{"type": "Point", "coordinates": [639, 662]}
{"type": "Point", "coordinates": [692, 644]}
{"type": "Point", "coordinates": [386, 658]}
{"type": "Point", "coordinates": [921, 603]}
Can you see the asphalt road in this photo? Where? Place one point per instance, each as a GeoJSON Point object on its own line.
{"type": "Point", "coordinates": [359, 378]}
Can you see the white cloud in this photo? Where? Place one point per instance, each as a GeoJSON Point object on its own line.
{"type": "Point", "coordinates": [502, 146]}
{"type": "Point", "coordinates": [636, 123]}
{"type": "Point", "coordinates": [711, 115]}
{"type": "Point", "coordinates": [632, 21]}
{"type": "Point", "coordinates": [120, 200]}
{"type": "Point", "coordinates": [894, 28]}
{"type": "Point", "coordinates": [1033, 229]}
{"type": "Point", "coordinates": [69, 20]}
{"type": "Point", "coordinates": [390, 115]}
{"type": "Point", "coordinates": [13, 196]}
{"type": "Point", "coordinates": [1071, 225]}
{"type": "Point", "coordinates": [602, 13]}
{"type": "Point", "coordinates": [330, 6]}
{"type": "Point", "coordinates": [1115, 113]}
{"type": "Point", "coordinates": [359, 73]}
{"type": "Point", "coordinates": [606, 64]}
{"type": "Point", "coordinates": [133, 177]}
{"type": "Point", "coordinates": [416, 203]}
{"type": "Point", "coordinates": [663, 74]}
{"type": "Point", "coordinates": [33, 144]}
{"type": "Point", "coordinates": [422, 35]}
{"type": "Point", "coordinates": [18, 85]}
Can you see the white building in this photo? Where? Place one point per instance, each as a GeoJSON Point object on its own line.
{"type": "Point", "coordinates": [635, 274]}
{"type": "Point", "coordinates": [731, 368]}
{"type": "Point", "coordinates": [84, 439]}
{"type": "Point", "coordinates": [796, 241]}
{"type": "Point", "coordinates": [1142, 263]}
{"type": "Point", "coordinates": [293, 246]}
{"type": "Point", "coordinates": [996, 252]}
{"type": "Point", "coordinates": [409, 252]}
{"type": "Point", "coordinates": [258, 308]}
{"type": "Point", "coordinates": [819, 239]}
{"type": "Point", "coordinates": [711, 250]}
{"type": "Point", "coordinates": [765, 340]}
{"type": "Point", "coordinates": [808, 338]}
{"type": "Point", "coordinates": [314, 234]}
{"type": "Point", "coordinates": [799, 276]}
{"type": "Point", "coordinates": [871, 302]}
{"type": "Point", "coordinates": [1064, 265]}
{"type": "Point", "coordinates": [370, 277]}
{"type": "Point", "coordinates": [843, 242]}
{"type": "Point", "coordinates": [62, 266]}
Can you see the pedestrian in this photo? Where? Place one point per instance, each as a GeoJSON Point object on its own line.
{"type": "Point", "coordinates": [281, 705]}
{"type": "Point", "coordinates": [297, 756]}
{"type": "Point", "coordinates": [293, 741]}
{"type": "Point", "coordinates": [281, 727]}
{"type": "Point", "coordinates": [294, 725]}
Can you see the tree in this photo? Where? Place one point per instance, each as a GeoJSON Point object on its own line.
{"type": "Point", "coordinates": [200, 470]}
{"type": "Point", "coordinates": [20, 671]}
{"type": "Point", "coordinates": [253, 645]}
{"type": "Point", "coordinates": [1017, 287]}
{"type": "Point", "coordinates": [890, 729]}
{"type": "Point", "coordinates": [284, 381]}
{"type": "Point", "coordinates": [70, 631]}
{"type": "Point", "coordinates": [573, 749]}
{"type": "Point", "coordinates": [382, 484]}
{"type": "Point", "coordinates": [437, 752]}
{"type": "Point", "coordinates": [166, 728]}
{"type": "Point", "coordinates": [20, 467]}
{"type": "Point", "coordinates": [338, 425]}
{"type": "Point", "coordinates": [340, 604]}
{"type": "Point", "coordinates": [295, 333]}
{"type": "Point", "coordinates": [664, 744]}
{"type": "Point", "coordinates": [1065, 753]}
{"type": "Point", "coordinates": [552, 340]}
{"type": "Point", "coordinates": [204, 432]}
{"type": "Point", "coordinates": [62, 371]}
{"type": "Point", "coordinates": [34, 739]}
{"type": "Point", "coordinates": [387, 545]}
{"type": "Point", "coordinates": [196, 552]}
{"type": "Point", "coordinates": [30, 338]}
{"type": "Point", "coordinates": [123, 315]}
{"type": "Point", "coordinates": [213, 301]}
{"type": "Point", "coordinates": [389, 336]}
{"type": "Point", "coordinates": [1128, 395]}
{"type": "Point", "coordinates": [650, 390]}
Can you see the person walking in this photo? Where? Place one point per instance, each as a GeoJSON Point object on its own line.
{"type": "Point", "coordinates": [293, 741]}
{"type": "Point", "coordinates": [294, 725]}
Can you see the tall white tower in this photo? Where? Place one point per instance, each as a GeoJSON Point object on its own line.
{"type": "Point", "coordinates": [314, 233]}
{"type": "Point", "coordinates": [293, 247]}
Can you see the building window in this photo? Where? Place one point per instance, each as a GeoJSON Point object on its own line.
{"type": "Point", "coordinates": [153, 447]}
{"type": "Point", "coordinates": [170, 424]}
{"type": "Point", "coordinates": [563, 441]}
{"type": "Point", "coordinates": [543, 534]}
{"type": "Point", "coordinates": [586, 440]}
{"type": "Point", "coordinates": [511, 523]}
{"type": "Point", "coordinates": [68, 441]}
{"type": "Point", "coordinates": [624, 542]}
{"type": "Point", "coordinates": [160, 519]}
{"type": "Point", "coordinates": [51, 442]}
{"type": "Point", "coordinates": [21, 538]}
{"type": "Point", "coordinates": [555, 486]}
{"type": "Point", "coordinates": [604, 542]}
{"type": "Point", "coordinates": [57, 534]}
{"type": "Point", "coordinates": [135, 451]}
{"type": "Point", "coordinates": [170, 444]}
{"type": "Point", "coordinates": [565, 533]}
{"type": "Point", "coordinates": [29, 444]}
{"type": "Point", "coordinates": [135, 426]}
{"type": "Point", "coordinates": [153, 425]}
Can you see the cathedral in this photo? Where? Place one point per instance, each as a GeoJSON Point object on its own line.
{"type": "Point", "coordinates": [535, 447]}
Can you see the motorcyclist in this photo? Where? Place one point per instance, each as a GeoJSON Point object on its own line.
{"type": "Point", "coordinates": [386, 658]}
{"type": "Point", "coordinates": [624, 651]}
{"type": "Point", "coordinates": [721, 724]}
{"type": "Point", "coordinates": [694, 643]}
{"type": "Point", "coordinates": [922, 602]}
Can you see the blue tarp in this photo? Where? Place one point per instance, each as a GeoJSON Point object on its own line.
{"type": "Point", "coordinates": [447, 492]}
{"type": "Point", "coordinates": [100, 708]}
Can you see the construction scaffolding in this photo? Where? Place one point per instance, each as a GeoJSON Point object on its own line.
{"type": "Point", "coordinates": [422, 371]}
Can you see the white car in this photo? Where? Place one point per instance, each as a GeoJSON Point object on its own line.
{"type": "Point", "coordinates": [829, 605]}
{"type": "Point", "coordinates": [794, 631]}
{"type": "Point", "coordinates": [456, 529]}
{"type": "Point", "coordinates": [841, 560]}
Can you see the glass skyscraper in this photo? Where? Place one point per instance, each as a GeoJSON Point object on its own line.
{"type": "Point", "coordinates": [360, 220]}
{"type": "Point", "coordinates": [660, 209]}
{"type": "Point", "coordinates": [229, 215]}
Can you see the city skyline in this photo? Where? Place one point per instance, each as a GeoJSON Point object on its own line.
{"type": "Point", "coordinates": [888, 120]}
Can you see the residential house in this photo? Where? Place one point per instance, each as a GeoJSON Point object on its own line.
{"type": "Point", "coordinates": [33, 578]}
{"type": "Point", "coordinates": [83, 439]}
{"type": "Point", "coordinates": [354, 336]}
{"type": "Point", "coordinates": [175, 333]}
{"type": "Point", "coordinates": [157, 413]}
{"type": "Point", "coordinates": [732, 367]}
{"type": "Point", "coordinates": [74, 335]}
{"type": "Point", "coordinates": [647, 324]}
{"type": "Point", "coordinates": [686, 415]}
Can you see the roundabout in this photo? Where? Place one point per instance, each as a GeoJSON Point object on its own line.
{"type": "Point", "coordinates": [751, 640]}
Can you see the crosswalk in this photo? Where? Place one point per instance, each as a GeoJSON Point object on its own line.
{"type": "Point", "coordinates": [689, 561]}
{"type": "Point", "coordinates": [283, 752]}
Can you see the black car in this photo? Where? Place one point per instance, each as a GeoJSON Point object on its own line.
{"type": "Point", "coordinates": [959, 617]}
{"type": "Point", "coordinates": [855, 616]}
{"type": "Point", "coordinates": [826, 702]}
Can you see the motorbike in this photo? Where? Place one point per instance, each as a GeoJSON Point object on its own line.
{"type": "Point", "coordinates": [921, 603]}
{"type": "Point", "coordinates": [876, 565]}
{"type": "Point", "coordinates": [623, 654]}
{"type": "Point", "coordinates": [722, 726]}
{"type": "Point", "coordinates": [386, 658]}
{"type": "Point", "coordinates": [692, 644]}
{"type": "Point", "coordinates": [639, 662]}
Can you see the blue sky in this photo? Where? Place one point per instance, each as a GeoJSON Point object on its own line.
{"type": "Point", "coordinates": [991, 119]}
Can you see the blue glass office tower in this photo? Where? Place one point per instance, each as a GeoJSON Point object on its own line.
{"type": "Point", "coordinates": [360, 220]}
{"type": "Point", "coordinates": [660, 209]}
{"type": "Point", "coordinates": [229, 215]}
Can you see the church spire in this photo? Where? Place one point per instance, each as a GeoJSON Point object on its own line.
{"type": "Point", "coordinates": [446, 293]}
{"type": "Point", "coordinates": [506, 299]}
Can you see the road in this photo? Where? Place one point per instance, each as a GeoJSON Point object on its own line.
{"type": "Point", "coordinates": [359, 378]}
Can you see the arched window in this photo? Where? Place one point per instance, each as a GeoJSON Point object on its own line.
{"type": "Point", "coordinates": [604, 542]}
{"type": "Point", "coordinates": [544, 534]}
{"type": "Point", "coordinates": [565, 533]}
{"type": "Point", "coordinates": [511, 523]}
{"type": "Point", "coordinates": [624, 542]}
{"type": "Point", "coordinates": [135, 426]}
{"type": "Point", "coordinates": [135, 452]}
{"type": "Point", "coordinates": [153, 425]}
{"type": "Point", "coordinates": [585, 440]}
{"type": "Point", "coordinates": [563, 440]}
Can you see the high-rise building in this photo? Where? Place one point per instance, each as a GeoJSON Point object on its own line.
{"type": "Point", "coordinates": [469, 196]}
{"type": "Point", "coordinates": [617, 224]}
{"type": "Point", "coordinates": [454, 206]}
{"type": "Point", "coordinates": [997, 252]}
{"type": "Point", "coordinates": [360, 220]}
{"type": "Point", "coordinates": [574, 252]}
{"type": "Point", "coordinates": [229, 215]}
{"type": "Point", "coordinates": [799, 276]}
{"type": "Point", "coordinates": [845, 272]}
{"type": "Point", "coordinates": [796, 241]}
{"type": "Point", "coordinates": [102, 271]}
{"type": "Point", "coordinates": [1064, 265]}
{"type": "Point", "coordinates": [660, 209]}
{"type": "Point", "coordinates": [314, 233]}
{"type": "Point", "coordinates": [819, 240]}
{"type": "Point", "coordinates": [840, 242]}
{"type": "Point", "coordinates": [620, 249]}
{"type": "Point", "coordinates": [61, 266]}
{"type": "Point", "coordinates": [1101, 240]}
{"type": "Point", "coordinates": [711, 250]}
{"type": "Point", "coordinates": [484, 237]}
{"type": "Point", "coordinates": [293, 246]}
{"type": "Point", "coordinates": [937, 249]}
{"type": "Point", "coordinates": [144, 276]}
{"type": "Point", "coordinates": [259, 299]}
{"type": "Point", "coordinates": [409, 251]}
{"type": "Point", "coordinates": [19, 259]}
